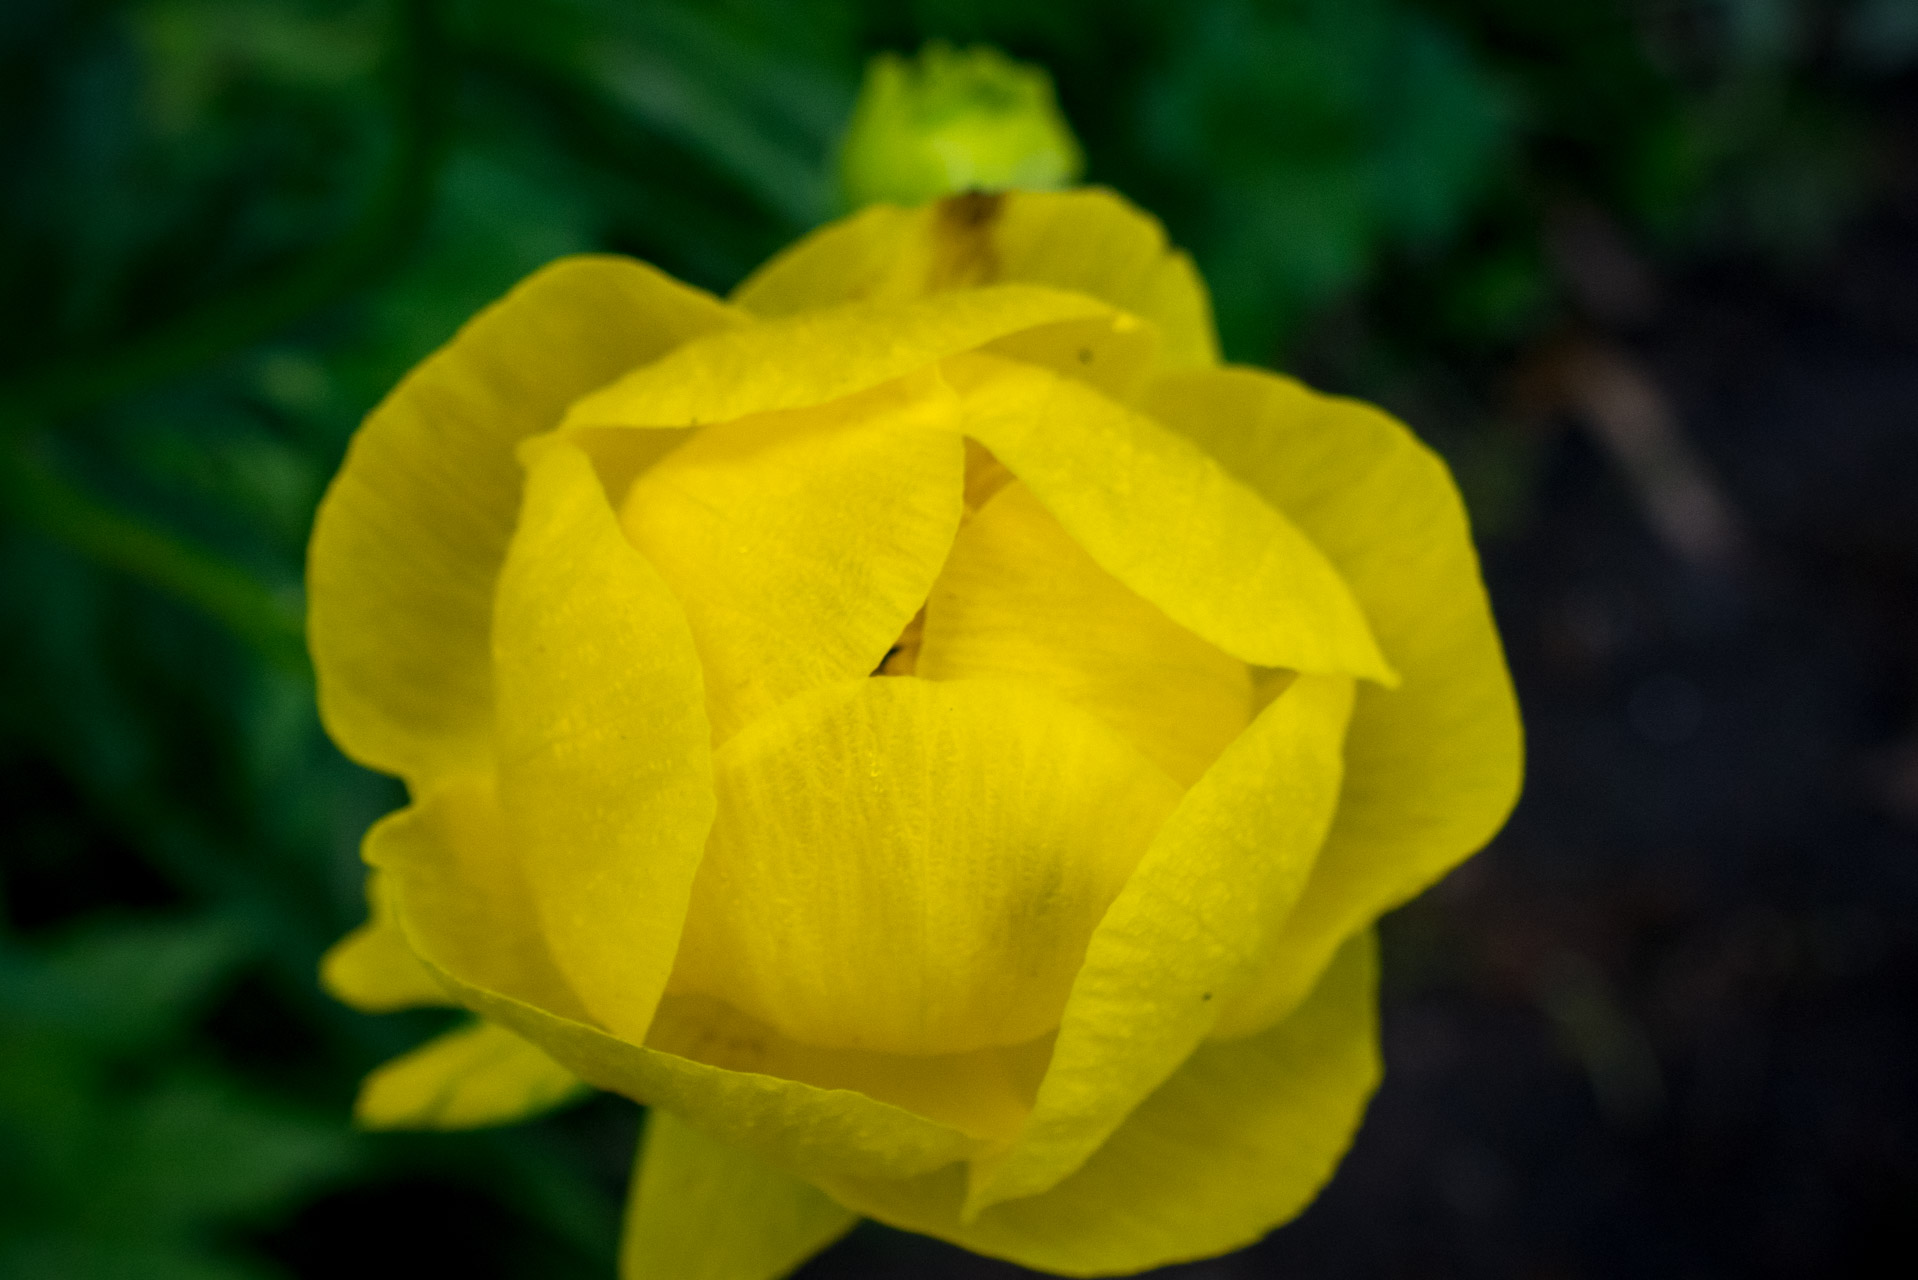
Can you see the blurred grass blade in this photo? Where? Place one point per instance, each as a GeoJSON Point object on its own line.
{"type": "Point", "coordinates": [72, 1256]}
{"type": "Point", "coordinates": [269, 622]}
{"type": "Point", "coordinates": [200, 1147]}
{"type": "Point", "coordinates": [242, 316]}
{"type": "Point", "coordinates": [120, 985]}
{"type": "Point", "coordinates": [754, 110]}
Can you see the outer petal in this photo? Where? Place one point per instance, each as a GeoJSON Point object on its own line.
{"type": "Point", "coordinates": [460, 895]}
{"type": "Point", "coordinates": [373, 969]}
{"type": "Point", "coordinates": [477, 1076]}
{"type": "Point", "coordinates": [1238, 1142]}
{"type": "Point", "coordinates": [879, 254]}
{"type": "Point", "coordinates": [986, 1093]}
{"type": "Point", "coordinates": [410, 536]}
{"type": "Point", "coordinates": [450, 861]}
{"type": "Point", "coordinates": [1093, 241]}
{"type": "Point", "coordinates": [1115, 356]}
{"type": "Point", "coordinates": [701, 1210]}
{"type": "Point", "coordinates": [800, 544]}
{"type": "Point", "coordinates": [805, 360]}
{"type": "Point", "coordinates": [604, 747]}
{"type": "Point", "coordinates": [1239, 574]}
{"type": "Point", "coordinates": [1089, 240]}
{"type": "Point", "coordinates": [914, 868]}
{"type": "Point", "coordinates": [1184, 935]}
{"type": "Point", "coordinates": [1019, 600]}
{"type": "Point", "coordinates": [1432, 767]}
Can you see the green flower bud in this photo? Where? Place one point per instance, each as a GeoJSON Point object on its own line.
{"type": "Point", "coordinates": [954, 120]}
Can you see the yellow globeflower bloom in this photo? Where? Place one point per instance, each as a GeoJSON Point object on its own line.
{"type": "Point", "coordinates": [923, 726]}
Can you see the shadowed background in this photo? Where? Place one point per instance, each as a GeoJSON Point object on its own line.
{"type": "Point", "coordinates": [1647, 274]}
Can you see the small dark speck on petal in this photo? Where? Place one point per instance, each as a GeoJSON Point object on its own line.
{"type": "Point", "coordinates": [1206, 996]}
{"type": "Point", "coordinates": [1085, 355]}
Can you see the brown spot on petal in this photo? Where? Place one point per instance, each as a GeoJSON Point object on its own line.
{"type": "Point", "coordinates": [963, 254]}
{"type": "Point", "coordinates": [976, 210]}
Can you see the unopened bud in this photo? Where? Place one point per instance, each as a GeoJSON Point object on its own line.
{"type": "Point", "coordinates": [954, 120]}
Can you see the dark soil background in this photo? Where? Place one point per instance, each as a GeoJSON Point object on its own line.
{"type": "Point", "coordinates": [1663, 1026]}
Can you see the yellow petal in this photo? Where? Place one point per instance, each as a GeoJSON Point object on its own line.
{"type": "Point", "coordinates": [1184, 934]}
{"type": "Point", "coordinates": [914, 867]}
{"type": "Point", "coordinates": [801, 361]}
{"type": "Point", "coordinates": [1432, 767]}
{"type": "Point", "coordinates": [1093, 241]}
{"type": "Point", "coordinates": [859, 258]}
{"type": "Point", "coordinates": [800, 544]}
{"type": "Point", "coordinates": [472, 1078]}
{"type": "Point", "coordinates": [459, 893]}
{"type": "Point", "coordinates": [409, 539]}
{"type": "Point", "coordinates": [1236, 1143]}
{"type": "Point", "coordinates": [1167, 521]}
{"type": "Point", "coordinates": [373, 969]}
{"type": "Point", "coordinates": [451, 859]}
{"type": "Point", "coordinates": [620, 456]}
{"type": "Point", "coordinates": [1089, 240]}
{"type": "Point", "coordinates": [701, 1210]}
{"type": "Point", "coordinates": [605, 767]}
{"type": "Point", "coordinates": [986, 1093]}
{"type": "Point", "coordinates": [1115, 355]}
{"type": "Point", "coordinates": [1019, 600]}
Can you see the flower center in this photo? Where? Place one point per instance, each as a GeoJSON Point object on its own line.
{"type": "Point", "coordinates": [903, 658]}
{"type": "Point", "coordinates": [985, 476]}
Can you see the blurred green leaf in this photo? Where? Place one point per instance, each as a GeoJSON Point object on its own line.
{"type": "Point", "coordinates": [733, 93]}
{"type": "Point", "coordinates": [1320, 132]}
{"type": "Point", "coordinates": [120, 984]}
{"type": "Point", "coordinates": [114, 1158]}
{"type": "Point", "coordinates": [78, 1257]}
{"type": "Point", "coordinates": [196, 49]}
{"type": "Point", "coordinates": [260, 301]}
{"type": "Point", "coordinates": [272, 623]}
{"type": "Point", "coordinates": [198, 1148]}
{"type": "Point", "coordinates": [260, 479]}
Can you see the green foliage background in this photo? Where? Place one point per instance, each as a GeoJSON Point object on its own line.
{"type": "Point", "coordinates": [230, 225]}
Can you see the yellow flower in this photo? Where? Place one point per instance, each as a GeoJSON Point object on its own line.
{"type": "Point", "coordinates": [924, 726]}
